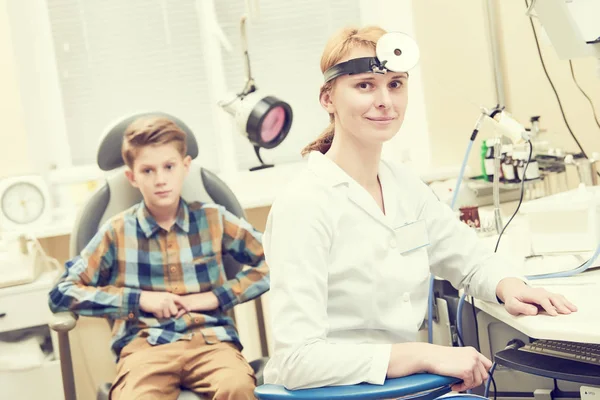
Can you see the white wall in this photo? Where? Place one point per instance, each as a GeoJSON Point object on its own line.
{"type": "Point", "coordinates": [14, 152]}
{"type": "Point", "coordinates": [38, 83]}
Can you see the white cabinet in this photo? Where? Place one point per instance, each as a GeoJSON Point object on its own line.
{"type": "Point", "coordinates": [21, 307]}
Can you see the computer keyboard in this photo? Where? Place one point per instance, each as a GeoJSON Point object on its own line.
{"type": "Point", "coordinates": [582, 352]}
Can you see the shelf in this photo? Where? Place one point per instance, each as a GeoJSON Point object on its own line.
{"type": "Point", "coordinates": [549, 367]}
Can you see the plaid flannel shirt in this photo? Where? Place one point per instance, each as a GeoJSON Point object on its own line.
{"type": "Point", "coordinates": [132, 253]}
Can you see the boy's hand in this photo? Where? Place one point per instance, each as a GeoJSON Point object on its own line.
{"type": "Point", "coordinates": [162, 304]}
{"type": "Point", "coordinates": [206, 301]}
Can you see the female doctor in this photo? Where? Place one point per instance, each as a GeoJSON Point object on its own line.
{"type": "Point", "coordinates": [352, 241]}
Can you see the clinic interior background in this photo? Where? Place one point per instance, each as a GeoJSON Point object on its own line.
{"type": "Point", "coordinates": [59, 90]}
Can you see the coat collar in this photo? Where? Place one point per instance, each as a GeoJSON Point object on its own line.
{"type": "Point", "coordinates": [334, 176]}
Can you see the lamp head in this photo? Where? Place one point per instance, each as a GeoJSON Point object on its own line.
{"type": "Point", "coordinates": [264, 120]}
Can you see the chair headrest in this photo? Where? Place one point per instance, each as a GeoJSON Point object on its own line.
{"type": "Point", "coordinates": [109, 153]}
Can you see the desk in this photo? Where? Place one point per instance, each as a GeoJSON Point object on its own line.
{"type": "Point", "coordinates": [582, 326]}
{"type": "Point", "coordinates": [497, 326]}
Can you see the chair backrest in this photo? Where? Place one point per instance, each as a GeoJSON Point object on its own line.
{"type": "Point", "coordinates": [117, 194]}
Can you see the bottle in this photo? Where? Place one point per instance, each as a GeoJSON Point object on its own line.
{"type": "Point", "coordinates": [515, 166]}
{"type": "Point", "coordinates": [502, 161]}
{"type": "Point", "coordinates": [508, 169]}
{"type": "Point", "coordinates": [489, 160]}
{"type": "Point", "coordinates": [483, 154]}
{"type": "Point", "coordinates": [533, 170]}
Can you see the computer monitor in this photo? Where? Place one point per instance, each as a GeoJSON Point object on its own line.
{"type": "Point", "coordinates": [571, 25]}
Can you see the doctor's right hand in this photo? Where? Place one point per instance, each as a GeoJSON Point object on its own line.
{"type": "Point", "coordinates": [464, 363]}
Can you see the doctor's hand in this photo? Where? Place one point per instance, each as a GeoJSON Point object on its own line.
{"type": "Point", "coordinates": [519, 298]}
{"type": "Point", "coordinates": [464, 363]}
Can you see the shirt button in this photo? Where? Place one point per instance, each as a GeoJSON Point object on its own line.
{"type": "Point", "coordinates": [176, 288]}
{"type": "Point", "coordinates": [170, 246]}
{"type": "Point", "coordinates": [393, 243]}
{"type": "Point", "coordinates": [131, 316]}
{"type": "Point", "coordinates": [197, 320]}
{"type": "Point", "coordinates": [173, 269]}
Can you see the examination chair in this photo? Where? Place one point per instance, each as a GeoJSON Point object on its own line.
{"type": "Point", "coordinates": [118, 195]}
{"type": "Point", "coordinates": [418, 386]}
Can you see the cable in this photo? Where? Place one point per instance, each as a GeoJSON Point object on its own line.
{"type": "Point", "coordinates": [463, 297]}
{"type": "Point", "coordinates": [462, 169]}
{"type": "Point", "coordinates": [512, 344]}
{"type": "Point", "coordinates": [562, 111]}
{"type": "Point", "coordinates": [460, 338]}
{"type": "Point", "coordinates": [494, 384]}
{"type": "Point", "coordinates": [459, 310]}
{"type": "Point", "coordinates": [530, 8]}
{"type": "Point", "coordinates": [461, 174]}
{"type": "Point", "coordinates": [520, 198]}
{"type": "Point", "coordinates": [476, 323]}
{"type": "Point", "coordinates": [584, 93]}
{"type": "Point", "coordinates": [461, 304]}
{"type": "Point", "coordinates": [582, 268]}
{"type": "Point", "coordinates": [486, 391]}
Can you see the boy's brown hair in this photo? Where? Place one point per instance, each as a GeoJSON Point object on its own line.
{"type": "Point", "coordinates": [149, 131]}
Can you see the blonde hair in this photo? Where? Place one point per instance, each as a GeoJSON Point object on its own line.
{"type": "Point", "coordinates": [336, 49]}
{"type": "Point", "coordinates": [151, 131]}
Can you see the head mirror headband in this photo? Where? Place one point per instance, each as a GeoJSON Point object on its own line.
{"type": "Point", "coordinates": [395, 51]}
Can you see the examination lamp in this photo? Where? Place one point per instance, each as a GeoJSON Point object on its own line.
{"type": "Point", "coordinates": [508, 127]}
{"type": "Point", "coordinates": [264, 120]}
{"type": "Point", "coordinates": [395, 52]}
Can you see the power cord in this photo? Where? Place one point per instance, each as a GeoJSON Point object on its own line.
{"type": "Point", "coordinates": [562, 111]}
{"type": "Point", "coordinates": [513, 344]}
{"type": "Point", "coordinates": [520, 198]}
{"type": "Point", "coordinates": [476, 323]}
{"type": "Point", "coordinates": [494, 384]}
{"type": "Point", "coordinates": [584, 93]}
{"type": "Point", "coordinates": [463, 297]}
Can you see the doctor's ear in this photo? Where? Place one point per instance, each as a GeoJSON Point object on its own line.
{"type": "Point", "coordinates": [327, 101]}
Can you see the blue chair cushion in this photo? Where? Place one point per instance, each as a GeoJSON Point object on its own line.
{"type": "Point", "coordinates": [418, 386]}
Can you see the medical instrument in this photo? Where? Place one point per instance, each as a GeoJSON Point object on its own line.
{"type": "Point", "coordinates": [395, 52]}
{"type": "Point", "coordinates": [264, 120]}
{"type": "Point", "coordinates": [517, 133]}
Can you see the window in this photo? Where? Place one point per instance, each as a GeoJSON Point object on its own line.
{"type": "Point", "coordinates": [116, 58]}
{"type": "Point", "coordinates": [285, 44]}
{"type": "Point", "coordinates": [85, 64]}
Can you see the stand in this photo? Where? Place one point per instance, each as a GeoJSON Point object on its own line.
{"type": "Point", "coordinates": [262, 163]}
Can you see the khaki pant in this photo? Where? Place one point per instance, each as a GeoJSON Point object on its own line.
{"type": "Point", "coordinates": [218, 371]}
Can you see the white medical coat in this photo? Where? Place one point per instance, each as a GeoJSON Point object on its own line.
{"type": "Point", "coordinates": [343, 286]}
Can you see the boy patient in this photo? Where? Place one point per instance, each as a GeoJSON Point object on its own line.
{"type": "Point", "coordinates": [157, 271]}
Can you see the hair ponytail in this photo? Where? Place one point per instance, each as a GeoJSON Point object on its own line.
{"type": "Point", "coordinates": [323, 142]}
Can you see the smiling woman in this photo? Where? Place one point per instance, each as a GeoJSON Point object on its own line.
{"type": "Point", "coordinates": [348, 66]}
{"type": "Point", "coordinates": [349, 296]}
